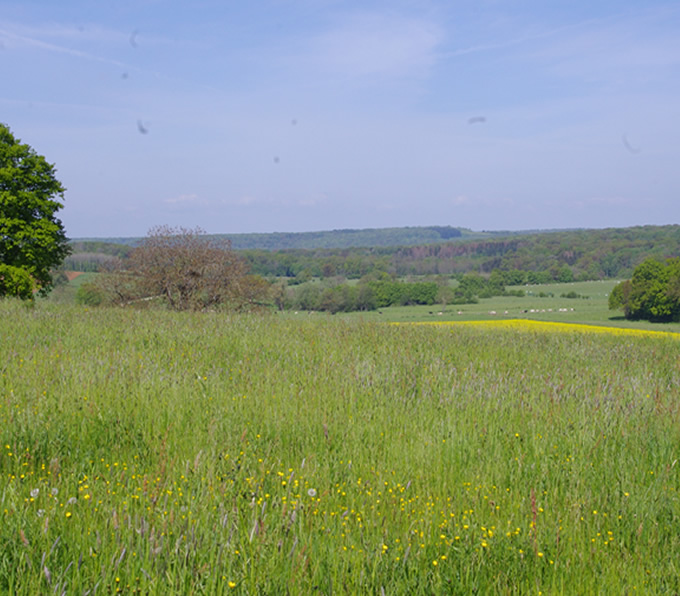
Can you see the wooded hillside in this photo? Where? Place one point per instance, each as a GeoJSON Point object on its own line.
{"type": "Point", "coordinates": [562, 255]}
{"type": "Point", "coordinates": [565, 255]}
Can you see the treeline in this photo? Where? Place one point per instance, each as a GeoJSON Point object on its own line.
{"type": "Point", "coordinates": [346, 238]}
{"type": "Point", "coordinates": [374, 292]}
{"type": "Point", "coordinates": [337, 239]}
{"type": "Point", "coordinates": [366, 295]}
{"type": "Point", "coordinates": [93, 256]}
{"type": "Point", "coordinates": [558, 256]}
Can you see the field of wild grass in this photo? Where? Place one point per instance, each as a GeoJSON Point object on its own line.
{"type": "Point", "coordinates": [157, 453]}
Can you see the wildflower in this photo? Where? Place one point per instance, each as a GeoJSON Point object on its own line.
{"type": "Point", "coordinates": [68, 514]}
{"type": "Point", "coordinates": [34, 493]}
{"type": "Point", "coordinates": [41, 512]}
{"type": "Point", "coordinates": [72, 501]}
{"type": "Point", "coordinates": [55, 491]}
{"type": "Point", "coordinates": [232, 585]}
{"type": "Point", "coordinates": [311, 492]}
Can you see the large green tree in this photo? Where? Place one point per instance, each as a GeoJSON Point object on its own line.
{"type": "Point", "coordinates": [652, 294]}
{"type": "Point", "coordinates": [32, 239]}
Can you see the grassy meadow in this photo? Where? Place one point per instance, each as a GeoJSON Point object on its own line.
{"type": "Point", "coordinates": [543, 302]}
{"type": "Point", "coordinates": [153, 452]}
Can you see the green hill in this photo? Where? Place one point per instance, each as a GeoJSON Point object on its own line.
{"type": "Point", "coordinates": [563, 254]}
{"type": "Point", "coordinates": [347, 238]}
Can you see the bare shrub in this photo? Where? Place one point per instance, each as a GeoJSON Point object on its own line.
{"type": "Point", "coordinates": [186, 270]}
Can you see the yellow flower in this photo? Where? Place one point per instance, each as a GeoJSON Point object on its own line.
{"type": "Point", "coordinates": [548, 326]}
{"type": "Point", "coordinates": [232, 584]}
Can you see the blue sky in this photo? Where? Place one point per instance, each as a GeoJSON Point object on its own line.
{"type": "Point", "coordinates": [305, 115]}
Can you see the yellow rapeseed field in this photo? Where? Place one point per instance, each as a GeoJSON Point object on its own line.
{"type": "Point", "coordinates": [552, 327]}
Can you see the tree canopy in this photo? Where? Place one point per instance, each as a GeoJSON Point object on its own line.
{"type": "Point", "coordinates": [652, 294]}
{"type": "Point", "coordinates": [32, 239]}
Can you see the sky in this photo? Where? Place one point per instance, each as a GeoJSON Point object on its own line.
{"type": "Point", "coordinates": [306, 115]}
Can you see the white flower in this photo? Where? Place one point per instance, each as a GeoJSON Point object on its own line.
{"type": "Point", "coordinates": [312, 492]}
{"type": "Point", "coordinates": [41, 512]}
{"type": "Point", "coordinates": [72, 501]}
{"type": "Point", "coordinates": [55, 491]}
{"type": "Point", "coordinates": [34, 493]}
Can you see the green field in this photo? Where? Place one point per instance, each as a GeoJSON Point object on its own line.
{"type": "Point", "coordinates": [153, 452]}
{"type": "Point", "coordinates": [591, 309]}
{"type": "Point", "coordinates": [66, 293]}
{"type": "Point", "coordinates": [546, 302]}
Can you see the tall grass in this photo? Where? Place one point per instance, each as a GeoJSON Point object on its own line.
{"type": "Point", "coordinates": [153, 452]}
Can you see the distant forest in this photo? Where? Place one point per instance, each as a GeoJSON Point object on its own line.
{"type": "Point", "coordinates": [557, 255]}
{"type": "Point", "coordinates": [563, 255]}
{"type": "Point", "coordinates": [333, 238]}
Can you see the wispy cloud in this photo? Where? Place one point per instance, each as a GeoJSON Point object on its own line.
{"type": "Point", "coordinates": [376, 45]}
{"type": "Point", "coordinates": [275, 201]}
{"type": "Point", "coordinates": [190, 201]}
{"type": "Point", "coordinates": [21, 38]}
{"type": "Point", "coordinates": [626, 48]}
{"type": "Point", "coordinates": [92, 43]}
{"type": "Point", "coordinates": [643, 40]}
